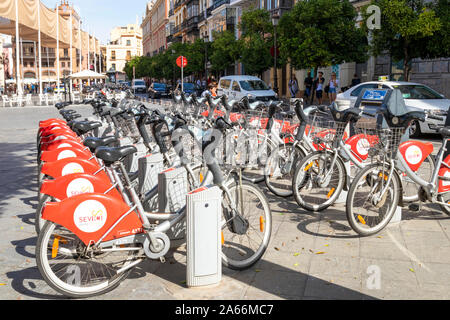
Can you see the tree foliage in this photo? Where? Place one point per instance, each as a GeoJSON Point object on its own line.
{"type": "Point", "coordinates": [320, 33]}
{"type": "Point", "coordinates": [410, 29]}
{"type": "Point", "coordinates": [256, 41]}
{"type": "Point", "coordinates": [225, 50]}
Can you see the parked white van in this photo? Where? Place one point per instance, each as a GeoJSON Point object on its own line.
{"type": "Point", "coordinates": [237, 87]}
{"type": "Point", "coordinates": [139, 86]}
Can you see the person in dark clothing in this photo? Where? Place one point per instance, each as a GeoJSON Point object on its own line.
{"type": "Point", "coordinates": [356, 80]}
{"type": "Point", "coordinates": [308, 86]}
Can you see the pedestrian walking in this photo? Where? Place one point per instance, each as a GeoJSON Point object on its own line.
{"type": "Point", "coordinates": [333, 87]}
{"type": "Point", "coordinates": [356, 80]}
{"type": "Point", "coordinates": [319, 86]}
{"type": "Point", "coordinates": [293, 87]}
{"type": "Point", "coordinates": [308, 86]}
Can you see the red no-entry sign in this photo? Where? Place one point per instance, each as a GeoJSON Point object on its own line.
{"type": "Point", "coordinates": [182, 62]}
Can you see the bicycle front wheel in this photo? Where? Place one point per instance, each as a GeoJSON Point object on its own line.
{"type": "Point", "coordinates": [371, 201]}
{"type": "Point", "coordinates": [245, 235]}
{"type": "Point", "coordinates": [280, 169]}
{"type": "Point", "coordinates": [73, 271]}
{"type": "Point", "coordinates": [318, 182]}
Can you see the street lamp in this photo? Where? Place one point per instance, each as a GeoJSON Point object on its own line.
{"type": "Point", "coordinates": [275, 19]}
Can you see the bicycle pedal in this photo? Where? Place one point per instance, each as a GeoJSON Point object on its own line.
{"type": "Point", "coordinates": [414, 207]}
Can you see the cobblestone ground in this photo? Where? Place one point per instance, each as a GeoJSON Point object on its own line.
{"type": "Point", "coordinates": [311, 256]}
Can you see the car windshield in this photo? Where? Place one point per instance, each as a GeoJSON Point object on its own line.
{"type": "Point", "coordinates": [418, 92]}
{"type": "Point", "coordinates": [253, 85]}
{"type": "Point", "coordinates": [189, 86]}
{"type": "Point", "coordinates": [139, 83]}
{"type": "Point", "coordinates": [159, 85]}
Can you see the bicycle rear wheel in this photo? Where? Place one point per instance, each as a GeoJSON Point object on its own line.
{"type": "Point", "coordinates": [366, 214]}
{"type": "Point", "coordinates": [67, 268]}
{"type": "Point", "coordinates": [245, 236]}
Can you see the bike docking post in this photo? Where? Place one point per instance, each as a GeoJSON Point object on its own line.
{"type": "Point", "coordinates": [203, 240]}
{"type": "Point", "coordinates": [172, 190]}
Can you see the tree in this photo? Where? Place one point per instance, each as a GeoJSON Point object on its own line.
{"type": "Point", "coordinates": [256, 41]}
{"type": "Point", "coordinates": [320, 33]}
{"type": "Point", "coordinates": [225, 51]}
{"type": "Point", "coordinates": [409, 29]}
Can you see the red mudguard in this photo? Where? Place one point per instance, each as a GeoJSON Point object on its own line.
{"type": "Point", "coordinates": [49, 122]}
{"type": "Point", "coordinates": [59, 133]}
{"type": "Point", "coordinates": [62, 144]}
{"type": "Point", "coordinates": [64, 153]}
{"type": "Point", "coordinates": [45, 131]}
{"type": "Point", "coordinates": [76, 184]}
{"type": "Point", "coordinates": [415, 153]}
{"type": "Point", "coordinates": [89, 216]}
{"type": "Point", "coordinates": [64, 167]}
{"type": "Point", "coordinates": [444, 186]}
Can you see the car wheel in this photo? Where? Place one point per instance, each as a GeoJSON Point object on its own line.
{"type": "Point", "coordinates": [414, 129]}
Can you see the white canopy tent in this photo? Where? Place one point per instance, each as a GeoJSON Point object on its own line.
{"type": "Point", "coordinates": [86, 75]}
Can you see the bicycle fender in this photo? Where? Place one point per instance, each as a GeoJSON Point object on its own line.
{"type": "Point", "coordinates": [46, 130]}
{"type": "Point", "coordinates": [61, 135]}
{"type": "Point", "coordinates": [62, 144]}
{"type": "Point", "coordinates": [90, 216]}
{"type": "Point", "coordinates": [64, 153]}
{"type": "Point", "coordinates": [68, 166]}
{"type": "Point", "coordinates": [415, 153]}
{"type": "Point", "coordinates": [49, 122]}
{"type": "Point", "coordinates": [444, 186]}
{"type": "Point", "coordinates": [75, 184]}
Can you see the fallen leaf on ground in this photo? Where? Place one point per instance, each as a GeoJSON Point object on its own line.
{"type": "Point", "coordinates": [277, 249]}
{"type": "Point", "coordinates": [296, 265]}
{"type": "Point", "coordinates": [411, 269]}
{"type": "Point", "coordinates": [320, 252]}
{"type": "Point", "coordinates": [296, 254]}
{"type": "Point", "coordinates": [257, 270]}
{"type": "Point", "coordinates": [311, 251]}
{"type": "Point", "coordinates": [327, 245]}
{"type": "Point", "coordinates": [2, 284]}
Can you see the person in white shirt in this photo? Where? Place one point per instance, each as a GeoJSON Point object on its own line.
{"type": "Point", "coordinates": [334, 85]}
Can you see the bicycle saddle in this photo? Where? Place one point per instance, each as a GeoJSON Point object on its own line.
{"type": "Point", "coordinates": [111, 155]}
{"type": "Point", "coordinates": [93, 143]}
{"type": "Point", "coordinates": [62, 105]}
{"type": "Point", "coordinates": [84, 127]}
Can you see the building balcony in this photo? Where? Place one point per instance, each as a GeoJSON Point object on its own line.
{"type": "Point", "coordinates": [178, 4]}
{"type": "Point", "coordinates": [176, 29]}
{"type": "Point", "coordinates": [218, 3]}
{"type": "Point", "coordinates": [192, 23]}
{"type": "Point", "coordinates": [170, 12]}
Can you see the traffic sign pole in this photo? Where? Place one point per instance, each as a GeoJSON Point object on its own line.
{"type": "Point", "coordinates": [182, 77]}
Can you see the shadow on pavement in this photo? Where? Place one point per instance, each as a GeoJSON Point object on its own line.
{"type": "Point", "coordinates": [18, 173]}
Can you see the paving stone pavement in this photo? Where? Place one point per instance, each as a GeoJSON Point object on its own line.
{"type": "Point", "coordinates": [311, 256]}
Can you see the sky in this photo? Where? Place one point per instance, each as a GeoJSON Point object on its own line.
{"type": "Point", "coordinates": [100, 16]}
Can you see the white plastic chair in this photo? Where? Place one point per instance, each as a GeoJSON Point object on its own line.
{"type": "Point", "coordinates": [76, 97]}
{"type": "Point", "coordinates": [29, 100]}
{"type": "Point", "coordinates": [6, 100]}
{"type": "Point", "coordinates": [43, 98]}
{"type": "Point", "coordinates": [14, 100]}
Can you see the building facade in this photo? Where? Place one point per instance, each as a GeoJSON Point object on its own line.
{"type": "Point", "coordinates": [188, 20]}
{"type": "Point", "coordinates": [146, 27]}
{"type": "Point", "coordinates": [126, 43]}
